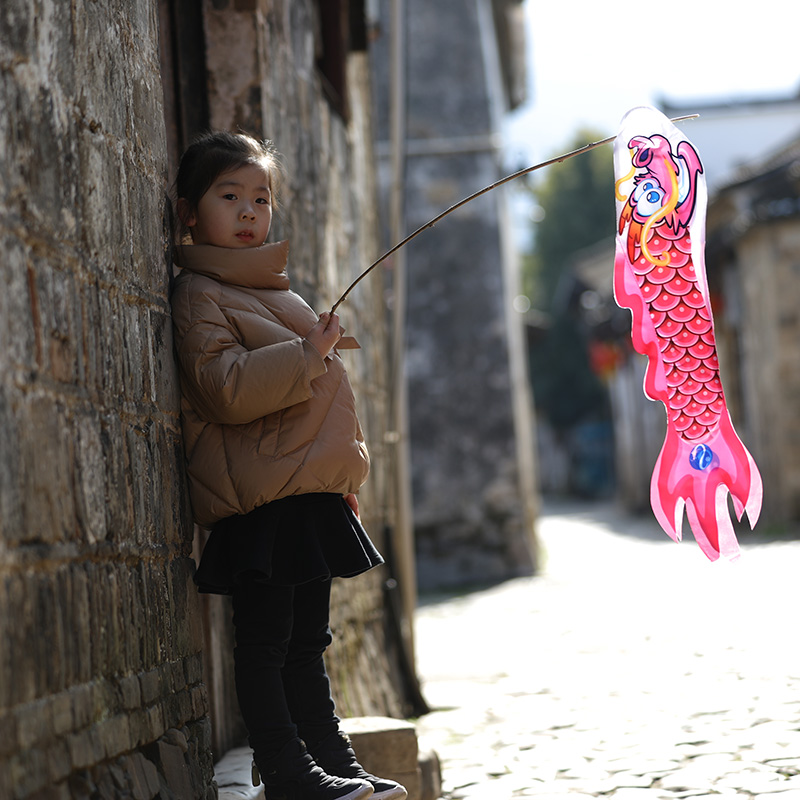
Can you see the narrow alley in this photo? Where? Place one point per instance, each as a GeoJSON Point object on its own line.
{"type": "Point", "coordinates": [631, 668]}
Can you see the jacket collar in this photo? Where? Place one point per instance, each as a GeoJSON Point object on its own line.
{"type": "Point", "coordinates": [252, 267]}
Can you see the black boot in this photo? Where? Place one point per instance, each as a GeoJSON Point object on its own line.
{"type": "Point", "coordinates": [293, 775]}
{"type": "Point", "coordinates": [336, 756]}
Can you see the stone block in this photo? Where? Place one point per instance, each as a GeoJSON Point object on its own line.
{"type": "Point", "coordinates": [106, 785]}
{"type": "Point", "coordinates": [387, 747]}
{"type": "Point", "coordinates": [193, 666]}
{"type": "Point", "coordinates": [46, 483]}
{"type": "Point", "coordinates": [139, 721]}
{"type": "Point", "coordinates": [90, 479]}
{"type": "Point", "coordinates": [81, 752]}
{"type": "Point", "coordinates": [155, 721]}
{"type": "Point", "coordinates": [6, 779]}
{"type": "Point", "coordinates": [115, 734]}
{"type": "Point", "coordinates": [81, 786]}
{"type": "Point", "coordinates": [33, 772]}
{"type": "Point", "coordinates": [177, 738]}
{"type": "Point", "coordinates": [61, 705]}
{"type": "Point", "coordinates": [97, 744]}
{"type": "Point", "coordinates": [178, 707]}
{"type": "Point", "coordinates": [10, 499]}
{"type": "Point", "coordinates": [143, 777]}
{"type": "Point", "coordinates": [383, 742]}
{"type": "Point", "coordinates": [412, 781]}
{"type": "Point", "coordinates": [8, 734]}
{"type": "Point", "coordinates": [177, 676]}
{"type": "Point", "coordinates": [82, 701]}
{"type": "Point", "coordinates": [150, 683]}
{"type": "Point", "coordinates": [34, 723]}
{"type": "Point", "coordinates": [19, 330]}
{"type": "Point", "coordinates": [57, 302]}
{"type": "Point", "coordinates": [99, 611]}
{"type": "Point", "coordinates": [174, 768]}
{"type": "Point", "coordinates": [430, 775]}
{"type": "Point", "coordinates": [130, 692]}
{"type": "Point", "coordinates": [59, 763]}
{"type": "Point", "coordinates": [164, 384]}
{"type": "Point", "coordinates": [102, 232]}
{"type": "Point", "coordinates": [119, 503]}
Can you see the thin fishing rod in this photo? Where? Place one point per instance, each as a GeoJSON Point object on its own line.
{"type": "Point", "coordinates": [557, 160]}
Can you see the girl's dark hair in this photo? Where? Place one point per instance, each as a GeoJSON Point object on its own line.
{"type": "Point", "coordinates": [212, 154]}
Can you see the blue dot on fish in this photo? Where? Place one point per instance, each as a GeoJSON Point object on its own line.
{"type": "Point", "coordinates": [701, 457]}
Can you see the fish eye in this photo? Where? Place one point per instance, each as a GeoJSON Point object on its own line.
{"type": "Point", "coordinates": [649, 198]}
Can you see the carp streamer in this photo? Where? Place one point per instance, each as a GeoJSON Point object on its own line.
{"type": "Point", "coordinates": [659, 274]}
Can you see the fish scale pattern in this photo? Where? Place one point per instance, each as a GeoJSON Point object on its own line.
{"type": "Point", "coordinates": [685, 333]}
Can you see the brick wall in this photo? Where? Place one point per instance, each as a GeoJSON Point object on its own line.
{"type": "Point", "coordinates": [108, 653]}
{"type": "Point", "coordinates": [273, 89]}
{"type": "Point", "coordinates": [101, 689]}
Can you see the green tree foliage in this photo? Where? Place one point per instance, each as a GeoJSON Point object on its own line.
{"type": "Point", "coordinates": [577, 198]}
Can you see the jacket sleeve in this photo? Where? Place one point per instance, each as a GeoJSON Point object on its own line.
{"type": "Point", "coordinates": [229, 384]}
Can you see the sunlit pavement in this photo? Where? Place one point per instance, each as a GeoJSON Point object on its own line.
{"type": "Point", "coordinates": [630, 668]}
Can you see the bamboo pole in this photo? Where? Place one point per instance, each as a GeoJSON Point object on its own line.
{"type": "Point", "coordinates": [557, 160]}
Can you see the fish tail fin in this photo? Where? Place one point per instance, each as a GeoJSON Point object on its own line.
{"type": "Point", "coordinates": [698, 477]}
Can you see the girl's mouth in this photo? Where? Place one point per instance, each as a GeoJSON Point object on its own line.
{"type": "Point", "coordinates": [245, 236]}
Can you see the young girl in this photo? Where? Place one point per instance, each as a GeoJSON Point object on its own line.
{"type": "Point", "coordinates": [275, 456]}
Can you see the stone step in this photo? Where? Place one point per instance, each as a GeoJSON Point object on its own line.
{"type": "Point", "coordinates": [387, 747]}
{"type": "Point", "coordinates": [384, 746]}
{"type": "Point", "coordinates": [233, 774]}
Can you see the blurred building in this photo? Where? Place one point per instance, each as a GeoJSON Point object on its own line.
{"type": "Point", "coordinates": [753, 265]}
{"type": "Point", "coordinates": [731, 133]}
{"type": "Point", "coordinates": [444, 74]}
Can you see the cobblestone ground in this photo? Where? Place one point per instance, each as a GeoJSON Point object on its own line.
{"type": "Point", "coordinates": [631, 668]}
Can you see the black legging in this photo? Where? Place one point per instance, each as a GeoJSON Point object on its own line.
{"type": "Point", "coordinates": [283, 689]}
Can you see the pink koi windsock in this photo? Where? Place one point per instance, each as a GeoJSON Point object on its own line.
{"type": "Point", "coordinates": [659, 274]}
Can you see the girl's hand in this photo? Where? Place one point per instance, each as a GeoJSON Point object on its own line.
{"type": "Point", "coordinates": [352, 501]}
{"type": "Point", "coordinates": [325, 333]}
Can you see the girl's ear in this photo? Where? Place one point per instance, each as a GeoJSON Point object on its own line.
{"type": "Point", "coordinates": [185, 213]}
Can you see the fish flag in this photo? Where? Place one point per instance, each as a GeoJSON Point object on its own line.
{"type": "Point", "coordinates": [659, 274]}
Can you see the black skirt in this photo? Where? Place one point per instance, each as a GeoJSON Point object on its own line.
{"type": "Point", "coordinates": [287, 542]}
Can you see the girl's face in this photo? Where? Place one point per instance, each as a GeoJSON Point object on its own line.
{"type": "Point", "coordinates": [236, 211]}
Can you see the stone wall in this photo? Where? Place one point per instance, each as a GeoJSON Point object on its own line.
{"type": "Point", "coordinates": [100, 677]}
{"type": "Point", "coordinates": [771, 376]}
{"type": "Point", "coordinates": [102, 691]}
{"type": "Point", "coordinates": [328, 214]}
{"type": "Point", "coordinates": [757, 327]}
{"type": "Point", "coordinates": [469, 402]}
{"type": "Point", "coordinates": [753, 265]}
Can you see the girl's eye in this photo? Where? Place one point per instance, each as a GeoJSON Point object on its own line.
{"type": "Point", "coordinates": [262, 200]}
{"type": "Point", "coordinates": [229, 196]}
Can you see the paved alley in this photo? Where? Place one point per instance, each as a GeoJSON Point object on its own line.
{"type": "Point", "coordinates": [631, 668]}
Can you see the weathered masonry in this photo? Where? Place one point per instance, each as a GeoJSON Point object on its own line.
{"type": "Point", "coordinates": [470, 411]}
{"type": "Point", "coordinates": [113, 678]}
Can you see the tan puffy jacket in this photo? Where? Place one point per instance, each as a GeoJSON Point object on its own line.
{"type": "Point", "coordinates": [264, 415]}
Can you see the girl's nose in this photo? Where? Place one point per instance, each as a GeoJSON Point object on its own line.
{"type": "Point", "coordinates": [247, 212]}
